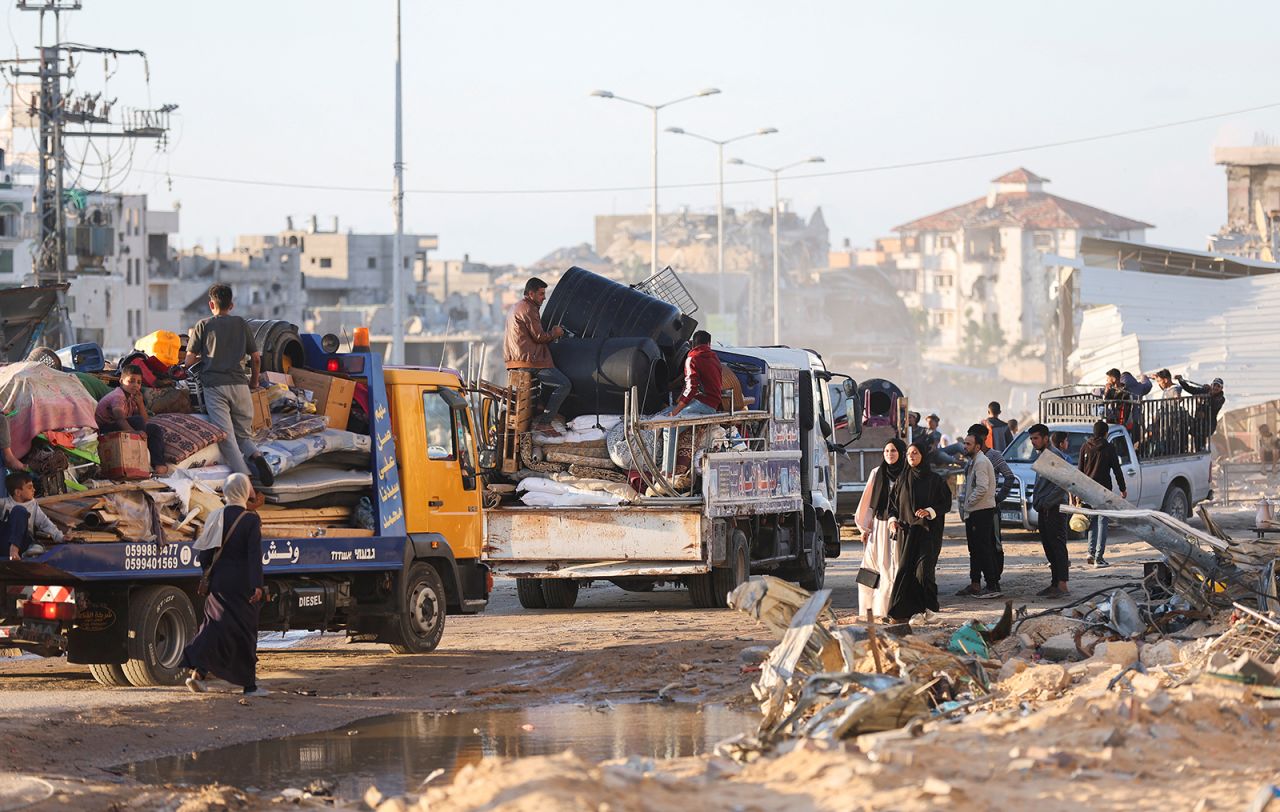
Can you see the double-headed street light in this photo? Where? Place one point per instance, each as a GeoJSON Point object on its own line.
{"type": "Point", "coordinates": [777, 325]}
{"type": "Point", "coordinates": [720, 198]}
{"type": "Point", "coordinates": [653, 231]}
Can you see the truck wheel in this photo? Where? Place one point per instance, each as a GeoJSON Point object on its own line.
{"type": "Point", "coordinates": [161, 624]}
{"type": "Point", "coordinates": [812, 574]}
{"type": "Point", "coordinates": [711, 591]}
{"type": "Point", "coordinates": [529, 591]}
{"type": "Point", "coordinates": [559, 593]}
{"type": "Point", "coordinates": [421, 622]}
{"type": "Point", "coordinates": [1176, 503]}
{"type": "Point", "coordinates": [109, 674]}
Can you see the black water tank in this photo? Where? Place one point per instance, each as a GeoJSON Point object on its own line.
{"type": "Point", "coordinates": [602, 370]}
{"type": "Point", "coordinates": [590, 306]}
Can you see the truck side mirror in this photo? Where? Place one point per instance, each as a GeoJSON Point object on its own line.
{"type": "Point", "coordinates": [854, 408]}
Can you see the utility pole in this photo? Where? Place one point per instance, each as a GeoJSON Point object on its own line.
{"type": "Point", "coordinates": [55, 112]}
{"type": "Point", "coordinates": [397, 206]}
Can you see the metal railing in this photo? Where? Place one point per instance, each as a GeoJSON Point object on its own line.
{"type": "Point", "coordinates": [666, 285]}
{"type": "Point", "coordinates": [1167, 427]}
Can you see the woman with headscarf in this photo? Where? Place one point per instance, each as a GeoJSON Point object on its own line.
{"type": "Point", "coordinates": [879, 548]}
{"type": "Point", "coordinates": [230, 555]}
{"type": "Point", "coordinates": [918, 504]}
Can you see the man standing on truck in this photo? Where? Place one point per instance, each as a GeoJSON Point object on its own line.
{"type": "Point", "coordinates": [22, 516]}
{"type": "Point", "coordinates": [525, 348]}
{"type": "Point", "coordinates": [1048, 500]}
{"type": "Point", "coordinates": [222, 341]}
{"type": "Point", "coordinates": [1208, 421]}
{"type": "Point", "coordinates": [1098, 461]}
{"type": "Point", "coordinates": [978, 509]}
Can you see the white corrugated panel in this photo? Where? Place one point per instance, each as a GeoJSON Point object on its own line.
{"type": "Point", "coordinates": [1201, 328]}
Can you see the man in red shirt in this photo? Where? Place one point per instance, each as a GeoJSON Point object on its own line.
{"type": "Point", "coordinates": [700, 394]}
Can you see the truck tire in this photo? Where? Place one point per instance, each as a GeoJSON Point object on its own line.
{"type": "Point", "coordinates": [1176, 503]}
{"type": "Point", "coordinates": [420, 624]}
{"type": "Point", "coordinates": [559, 593]}
{"type": "Point", "coordinates": [109, 674]}
{"type": "Point", "coordinates": [162, 622]}
{"type": "Point", "coordinates": [711, 591]}
{"type": "Point", "coordinates": [812, 574]}
{"type": "Point", "coordinates": [529, 591]}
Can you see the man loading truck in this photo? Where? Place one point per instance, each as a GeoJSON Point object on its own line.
{"type": "Point", "coordinates": [524, 348]}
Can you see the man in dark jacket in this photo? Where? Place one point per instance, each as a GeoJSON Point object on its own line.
{"type": "Point", "coordinates": [1047, 500]}
{"type": "Point", "coordinates": [1205, 423]}
{"type": "Point", "coordinates": [1098, 461]}
{"type": "Point", "coordinates": [998, 434]}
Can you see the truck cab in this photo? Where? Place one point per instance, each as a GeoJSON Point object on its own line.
{"type": "Point", "coordinates": [1162, 446]}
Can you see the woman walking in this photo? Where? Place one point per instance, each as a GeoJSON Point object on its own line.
{"type": "Point", "coordinates": [920, 501]}
{"type": "Point", "coordinates": [230, 554]}
{"type": "Point", "coordinates": [880, 553]}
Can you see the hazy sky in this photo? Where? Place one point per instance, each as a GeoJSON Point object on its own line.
{"type": "Point", "coordinates": [496, 97]}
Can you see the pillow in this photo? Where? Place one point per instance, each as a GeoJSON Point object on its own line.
{"type": "Point", "coordinates": [185, 434]}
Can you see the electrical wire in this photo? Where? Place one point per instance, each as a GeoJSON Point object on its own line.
{"type": "Point", "coordinates": [974, 156]}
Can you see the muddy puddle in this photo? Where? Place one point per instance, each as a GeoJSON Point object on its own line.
{"type": "Point", "coordinates": [396, 752]}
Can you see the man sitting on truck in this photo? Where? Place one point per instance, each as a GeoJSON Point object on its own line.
{"type": "Point", "coordinates": [22, 516]}
{"type": "Point", "coordinates": [525, 347]}
{"type": "Point", "coordinates": [122, 409]}
{"type": "Point", "coordinates": [700, 391]}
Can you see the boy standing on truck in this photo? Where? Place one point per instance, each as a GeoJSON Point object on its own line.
{"type": "Point", "coordinates": [998, 435]}
{"type": "Point", "coordinates": [222, 341]}
{"type": "Point", "coordinates": [22, 515]}
{"type": "Point", "coordinates": [525, 347]}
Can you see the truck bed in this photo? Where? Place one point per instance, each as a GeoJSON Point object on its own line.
{"type": "Point", "coordinates": [599, 541]}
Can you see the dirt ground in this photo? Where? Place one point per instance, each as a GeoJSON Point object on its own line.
{"type": "Point", "coordinates": [60, 726]}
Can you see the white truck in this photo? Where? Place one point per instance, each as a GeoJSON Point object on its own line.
{"type": "Point", "coordinates": [765, 504]}
{"type": "Point", "coordinates": [1163, 446]}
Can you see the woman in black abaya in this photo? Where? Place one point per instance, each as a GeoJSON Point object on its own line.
{"type": "Point", "coordinates": [919, 503]}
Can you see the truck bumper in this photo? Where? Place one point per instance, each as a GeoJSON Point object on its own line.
{"type": "Point", "coordinates": [603, 570]}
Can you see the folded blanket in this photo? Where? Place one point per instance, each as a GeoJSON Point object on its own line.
{"type": "Point", "coordinates": [44, 399]}
{"type": "Point", "coordinates": [337, 446]}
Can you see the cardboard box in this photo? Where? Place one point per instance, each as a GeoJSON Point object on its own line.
{"type": "Point", "coordinates": [261, 410]}
{"type": "Point", "coordinates": [333, 395]}
{"type": "Point", "coordinates": [272, 378]}
{"type": "Point", "coordinates": [124, 455]}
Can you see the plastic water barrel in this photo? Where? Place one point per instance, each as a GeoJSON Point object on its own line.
{"type": "Point", "coordinates": [591, 306]}
{"type": "Point", "coordinates": [603, 370]}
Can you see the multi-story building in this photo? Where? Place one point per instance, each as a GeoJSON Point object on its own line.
{"type": "Point", "coordinates": [978, 268]}
{"type": "Point", "coordinates": [346, 268]}
{"type": "Point", "coordinates": [1252, 229]}
{"type": "Point", "coordinates": [115, 246]}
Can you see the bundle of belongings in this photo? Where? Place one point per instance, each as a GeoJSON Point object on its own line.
{"type": "Point", "coordinates": [125, 454]}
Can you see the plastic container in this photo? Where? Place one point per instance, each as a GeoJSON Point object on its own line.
{"type": "Point", "coordinates": [590, 306]}
{"type": "Point", "coordinates": [603, 370]}
{"type": "Point", "coordinates": [162, 344]}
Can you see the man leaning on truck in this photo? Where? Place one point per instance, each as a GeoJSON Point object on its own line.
{"type": "Point", "coordinates": [525, 347]}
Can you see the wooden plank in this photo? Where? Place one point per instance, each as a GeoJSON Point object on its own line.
{"type": "Point", "coordinates": [283, 531]}
{"type": "Point", "coordinates": [141, 485]}
{"type": "Point", "coordinates": [296, 515]}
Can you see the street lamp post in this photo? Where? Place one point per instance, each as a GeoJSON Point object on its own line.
{"type": "Point", "coordinates": [776, 171]}
{"type": "Point", "coordinates": [720, 199]}
{"type": "Point", "coordinates": [654, 108]}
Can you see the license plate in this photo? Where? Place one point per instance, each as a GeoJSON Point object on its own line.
{"type": "Point", "coordinates": [1010, 516]}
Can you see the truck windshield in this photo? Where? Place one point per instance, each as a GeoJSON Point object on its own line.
{"type": "Point", "coordinates": [1021, 450]}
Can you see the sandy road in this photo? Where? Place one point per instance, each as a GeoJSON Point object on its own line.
{"type": "Point", "coordinates": [57, 723]}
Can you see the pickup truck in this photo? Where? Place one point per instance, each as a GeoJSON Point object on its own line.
{"type": "Point", "coordinates": [765, 505]}
{"type": "Point", "coordinates": [127, 609]}
{"type": "Point", "coordinates": [1162, 445]}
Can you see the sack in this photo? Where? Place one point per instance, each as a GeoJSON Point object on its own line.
{"type": "Point", "coordinates": [202, 588]}
{"type": "Point", "coordinates": [868, 578]}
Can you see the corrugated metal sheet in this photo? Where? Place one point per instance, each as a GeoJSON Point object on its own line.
{"type": "Point", "coordinates": [1200, 328]}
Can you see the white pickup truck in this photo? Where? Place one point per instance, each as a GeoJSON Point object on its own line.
{"type": "Point", "coordinates": [1163, 447]}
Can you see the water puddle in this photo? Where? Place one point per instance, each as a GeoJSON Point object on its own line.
{"type": "Point", "coordinates": [396, 752]}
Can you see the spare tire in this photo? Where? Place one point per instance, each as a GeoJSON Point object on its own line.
{"type": "Point", "coordinates": [279, 343]}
